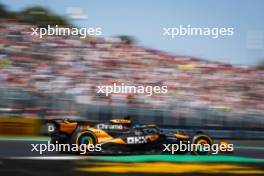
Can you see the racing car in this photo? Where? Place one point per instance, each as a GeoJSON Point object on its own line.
{"type": "Point", "coordinates": [119, 136]}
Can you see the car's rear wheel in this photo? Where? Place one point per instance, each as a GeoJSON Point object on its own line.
{"type": "Point", "coordinates": [85, 139]}
{"type": "Point", "coordinates": [202, 145]}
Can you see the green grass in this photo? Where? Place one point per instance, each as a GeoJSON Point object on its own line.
{"type": "Point", "coordinates": [177, 158]}
{"type": "Point", "coordinates": [24, 138]}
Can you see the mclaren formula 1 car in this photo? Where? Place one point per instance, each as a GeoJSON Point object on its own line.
{"type": "Point", "coordinates": [119, 136]}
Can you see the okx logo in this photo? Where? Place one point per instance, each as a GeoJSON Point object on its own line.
{"type": "Point", "coordinates": [137, 140]}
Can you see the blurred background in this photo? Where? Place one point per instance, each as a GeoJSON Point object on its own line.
{"type": "Point", "coordinates": [214, 85]}
{"type": "Point", "coordinates": [56, 76]}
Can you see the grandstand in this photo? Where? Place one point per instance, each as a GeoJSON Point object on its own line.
{"type": "Point", "coordinates": [58, 72]}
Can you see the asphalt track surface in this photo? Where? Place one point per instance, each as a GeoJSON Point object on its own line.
{"type": "Point", "coordinates": [16, 158]}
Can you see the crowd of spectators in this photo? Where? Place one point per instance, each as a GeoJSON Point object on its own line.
{"type": "Point", "coordinates": [73, 67]}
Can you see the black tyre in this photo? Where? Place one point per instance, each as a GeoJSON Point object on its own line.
{"type": "Point", "coordinates": [84, 139]}
{"type": "Point", "coordinates": [204, 143]}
